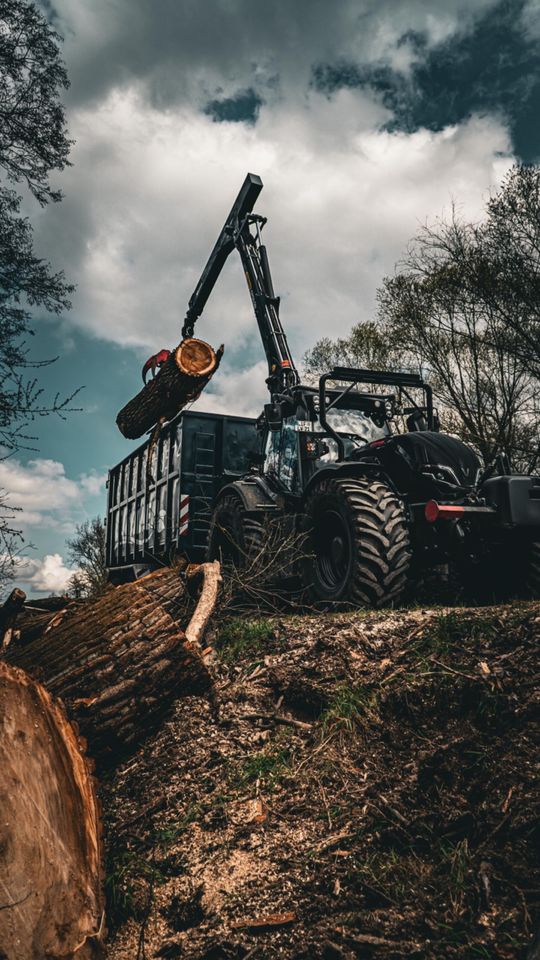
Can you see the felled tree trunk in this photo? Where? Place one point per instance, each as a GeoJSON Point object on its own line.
{"type": "Point", "coordinates": [51, 897]}
{"type": "Point", "coordinates": [118, 661]}
{"type": "Point", "coordinates": [181, 379]}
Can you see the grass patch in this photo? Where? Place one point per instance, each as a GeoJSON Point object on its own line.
{"type": "Point", "coordinates": [390, 874]}
{"type": "Point", "coordinates": [239, 637]}
{"type": "Point", "coordinates": [130, 880]}
{"type": "Point", "coordinates": [348, 707]}
{"type": "Point", "coordinates": [268, 767]}
{"type": "Point", "coordinates": [171, 832]}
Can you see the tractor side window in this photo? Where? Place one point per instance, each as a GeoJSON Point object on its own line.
{"type": "Point", "coordinates": [271, 453]}
{"type": "Point", "coordinates": [281, 454]}
{"type": "Point", "coordinates": [288, 461]}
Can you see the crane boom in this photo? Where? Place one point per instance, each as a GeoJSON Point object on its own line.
{"type": "Point", "coordinates": [242, 229]}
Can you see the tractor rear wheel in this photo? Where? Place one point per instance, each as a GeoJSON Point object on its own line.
{"type": "Point", "coordinates": [235, 539]}
{"type": "Point", "coordinates": [358, 543]}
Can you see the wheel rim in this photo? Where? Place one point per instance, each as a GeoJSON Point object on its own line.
{"type": "Point", "coordinates": [332, 550]}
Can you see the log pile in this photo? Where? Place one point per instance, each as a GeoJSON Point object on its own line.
{"type": "Point", "coordinates": [118, 662]}
{"type": "Point", "coordinates": [181, 379]}
{"type": "Point", "coordinates": [51, 900]}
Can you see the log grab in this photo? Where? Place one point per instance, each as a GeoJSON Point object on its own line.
{"type": "Point", "coordinates": [179, 376]}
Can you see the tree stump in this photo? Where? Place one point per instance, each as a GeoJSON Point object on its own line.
{"type": "Point", "coordinates": [181, 379]}
{"type": "Point", "coordinates": [118, 662]}
{"type": "Point", "coordinates": [51, 898]}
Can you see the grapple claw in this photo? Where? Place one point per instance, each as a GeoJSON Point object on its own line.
{"type": "Point", "coordinates": [157, 360]}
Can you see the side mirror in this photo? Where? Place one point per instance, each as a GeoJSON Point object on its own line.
{"type": "Point", "coordinates": [416, 421]}
{"type": "Point", "coordinates": [273, 416]}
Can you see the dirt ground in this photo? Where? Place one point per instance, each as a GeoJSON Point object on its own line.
{"type": "Point", "coordinates": [357, 785]}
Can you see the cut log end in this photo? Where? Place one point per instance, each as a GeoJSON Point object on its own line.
{"type": "Point", "coordinates": [51, 897]}
{"type": "Point", "coordinates": [195, 358]}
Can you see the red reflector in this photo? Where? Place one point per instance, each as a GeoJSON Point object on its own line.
{"type": "Point", "coordinates": [285, 363]}
{"type": "Point", "coordinates": [442, 511]}
{"type": "Point", "coordinates": [377, 443]}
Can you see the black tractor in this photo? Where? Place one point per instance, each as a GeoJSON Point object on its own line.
{"type": "Point", "coordinates": [359, 468]}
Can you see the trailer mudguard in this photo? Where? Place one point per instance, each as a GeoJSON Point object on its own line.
{"type": "Point", "coordinates": [253, 494]}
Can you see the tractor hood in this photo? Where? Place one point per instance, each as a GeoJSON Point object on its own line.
{"type": "Point", "coordinates": [426, 463]}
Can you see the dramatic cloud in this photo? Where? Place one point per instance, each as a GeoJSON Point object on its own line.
{"type": "Point", "coordinates": [45, 495]}
{"type": "Point", "coordinates": [150, 189]}
{"type": "Point", "coordinates": [183, 51]}
{"type": "Point", "coordinates": [49, 575]}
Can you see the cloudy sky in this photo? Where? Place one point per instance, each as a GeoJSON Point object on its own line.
{"type": "Point", "coordinates": [364, 118]}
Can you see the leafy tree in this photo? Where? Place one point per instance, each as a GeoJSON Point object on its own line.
{"type": "Point", "coordinates": [504, 273]}
{"type": "Point", "coordinates": [366, 346]}
{"type": "Point", "coordinates": [87, 551]}
{"type": "Point", "coordinates": [434, 311]}
{"type": "Point", "coordinates": [33, 143]}
{"type": "Point", "coordinates": [463, 308]}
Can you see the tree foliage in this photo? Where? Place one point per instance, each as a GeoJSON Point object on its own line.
{"type": "Point", "coordinates": [86, 550]}
{"type": "Point", "coordinates": [33, 143]}
{"type": "Point", "coordinates": [463, 308]}
{"type": "Point", "coordinates": [33, 137]}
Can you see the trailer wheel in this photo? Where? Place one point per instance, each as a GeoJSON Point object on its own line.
{"type": "Point", "coordinates": [235, 539]}
{"type": "Point", "coordinates": [358, 543]}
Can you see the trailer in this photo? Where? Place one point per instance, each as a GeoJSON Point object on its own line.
{"type": "Point", "coordinates": [150, 521]}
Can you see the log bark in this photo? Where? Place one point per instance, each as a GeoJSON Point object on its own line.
{"type": "Point", "coordinates": [118, 662]}
{"type": "Point", "coordinates": [180, 381]}
{"type": "Point", "coordinates": [51, 896]}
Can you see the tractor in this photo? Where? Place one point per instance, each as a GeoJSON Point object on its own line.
{"type": "Point", "coordinates": [358, 467]}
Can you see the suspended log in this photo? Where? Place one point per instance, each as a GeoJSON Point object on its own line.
{"type": "Point", "coordinates": [51, 897]}
{"type": "Point", "coordinates": [118, 662]}
{"type": "Point", "coordinates": [181, 379]}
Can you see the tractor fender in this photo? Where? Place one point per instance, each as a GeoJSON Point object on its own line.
{"type": "Point", "coordinates": [339, 471]}
{"type": "Point", "coordinates": [253, 494]}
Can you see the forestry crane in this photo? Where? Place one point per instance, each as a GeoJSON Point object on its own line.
{"type": "Point", "coordinates": [365, 474]}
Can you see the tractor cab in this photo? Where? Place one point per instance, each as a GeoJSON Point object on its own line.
{"type": "Point", "coordinates": [339, 421]}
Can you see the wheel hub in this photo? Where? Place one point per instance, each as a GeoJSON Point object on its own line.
{"type": "Point", "coordinates": [333, 550]}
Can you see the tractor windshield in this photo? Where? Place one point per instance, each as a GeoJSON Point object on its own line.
{"type": "Point", "coordinates": [355, 423]}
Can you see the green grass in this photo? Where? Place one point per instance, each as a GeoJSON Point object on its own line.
{"type": "Point", "coordinates": [128, 872]}
{"type": "Point", "coordinates": [391, 873]}
{"type": "Point", "coordinates": [348, 706]}
{"type": "Point", "coordinates": [266, 765]}
{"type": "Point", "coordinates": [238, 638]}
{"type": "Point", "coordinates": [171, 832]}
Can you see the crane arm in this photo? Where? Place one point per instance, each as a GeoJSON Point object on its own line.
{"type": "Point", "coordinates": [223, 246]}
{"type": "Point", "coordinates": [237, 232]}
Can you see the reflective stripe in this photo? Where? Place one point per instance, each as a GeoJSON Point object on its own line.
{"type": "Point", "coordinates": [183, 523]}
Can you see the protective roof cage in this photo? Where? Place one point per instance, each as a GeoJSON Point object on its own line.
{"type": "Point", "coordinates": [195, 455]}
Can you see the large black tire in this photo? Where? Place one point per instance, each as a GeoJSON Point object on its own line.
{"type": "Point", "coordinates": [358, 544]}
{"type": "Point", "coordinates": [234, 537]}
